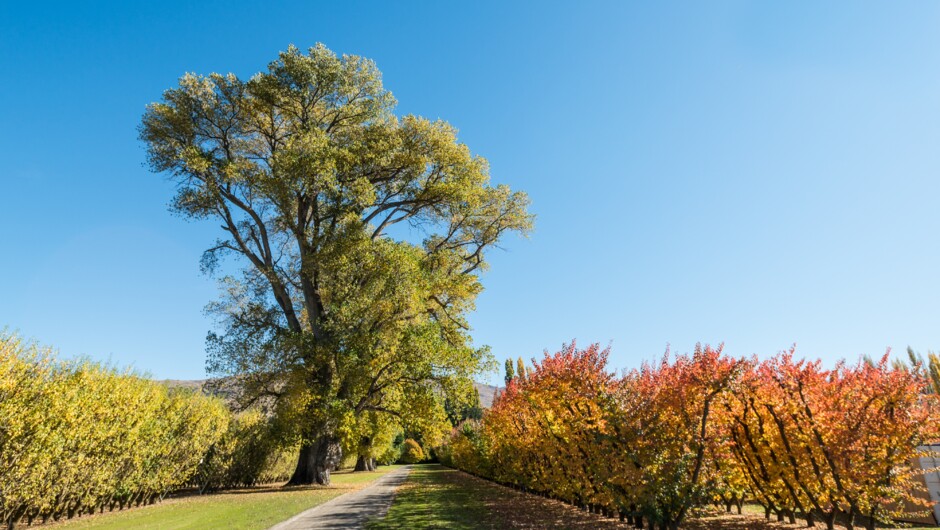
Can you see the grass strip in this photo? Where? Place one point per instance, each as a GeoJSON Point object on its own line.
{"type": "Point", "coordinates": [245, 509]}
{"type": "Point", "coordinates": [437, 497]}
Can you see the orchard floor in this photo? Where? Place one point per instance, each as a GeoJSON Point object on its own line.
{"type": "Point", "coordinates": [438, 497]}
{"type": "Point", "coordinates": [244, 509]}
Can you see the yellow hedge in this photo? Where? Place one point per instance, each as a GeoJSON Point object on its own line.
{"type": "Point", "coordinates": [248, 454]}
{"type": "Point", "coordinates": [78, 437]}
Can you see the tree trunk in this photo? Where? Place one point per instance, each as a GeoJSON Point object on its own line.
{"type": "Point", "coordinates": [365, 449]}
{"type": "Point", "coordinates": [362, 464]}
{"type": "Point", "coordinates": [316, 461]}
{"type": "Point", "coordinates": [365, 463]}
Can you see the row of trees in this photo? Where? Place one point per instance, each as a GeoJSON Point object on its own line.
{"type": "Point", "coordinates": [694, 430]}
{"type": "Point", "coordinates": [78, 437]}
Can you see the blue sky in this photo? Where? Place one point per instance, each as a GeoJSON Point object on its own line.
{"type": "Point", "coordinates": [754, 173]}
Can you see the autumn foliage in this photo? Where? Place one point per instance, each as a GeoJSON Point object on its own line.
{"type": "Point", "coordinates": [412, 452]}
{"type": "Point", "coordinates": [77, 437]}
{"type": "Point", "coordinates": [703, 430]}
{"type": "Point", "coordinates": [830, 443]}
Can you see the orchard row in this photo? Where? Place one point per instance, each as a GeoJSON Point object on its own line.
{"type": "Point", "coordinates": [705, 429]}
{"type": "Point", "coordinates": [78, 437]}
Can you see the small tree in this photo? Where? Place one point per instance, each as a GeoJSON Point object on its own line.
{"type": "Point", "coordinates": [510, 371]}
{"type": "Point", "coordinates": [412, 452]}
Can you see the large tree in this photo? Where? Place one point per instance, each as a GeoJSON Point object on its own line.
{"type": "Point", "coordinates": [362, 236]}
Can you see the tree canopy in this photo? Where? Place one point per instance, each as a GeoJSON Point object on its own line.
{"type": "Point", "coordinates": [363, 236]}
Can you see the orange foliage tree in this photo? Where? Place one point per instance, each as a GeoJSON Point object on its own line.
{"type": "Point", "coordinates": [831, 443]}
{"type": "Point", "coordinates": [548, 430]}
{"type": "Point", "coordinates": [671, 411]}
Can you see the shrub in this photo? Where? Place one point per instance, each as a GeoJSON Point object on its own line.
{"type": "Point", "coordinates": [411, 452]}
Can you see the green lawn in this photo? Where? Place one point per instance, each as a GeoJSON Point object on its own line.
{"type": "Point", "coordinates": [437, 497]}
{"type": "Point", "coordinates": [249, 509]}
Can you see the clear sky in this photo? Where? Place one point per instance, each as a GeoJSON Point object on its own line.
{"type": "Point", "coordinates": [755, 173]}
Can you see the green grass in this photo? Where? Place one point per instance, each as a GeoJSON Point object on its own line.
{"type": "Point", "coordinates": [437, 497]}
{"type": "Point", "coordinates": [248, 509]}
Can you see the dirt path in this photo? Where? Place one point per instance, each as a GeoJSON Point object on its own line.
{"type": "Point", "coordinates": [352, 510]}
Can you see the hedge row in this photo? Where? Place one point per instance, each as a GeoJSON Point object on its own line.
{"type": "Point", "coordinates": [78, 437]}
{"type": "Point", "coordinates": [700, 430]}
{"type": "Point", "coordinates": [246, 455]}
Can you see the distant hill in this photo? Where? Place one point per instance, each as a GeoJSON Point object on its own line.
{"type": "Point", "coordinates": [194, 384]}
{"type": "Point", "coordinates": [487, 392]}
